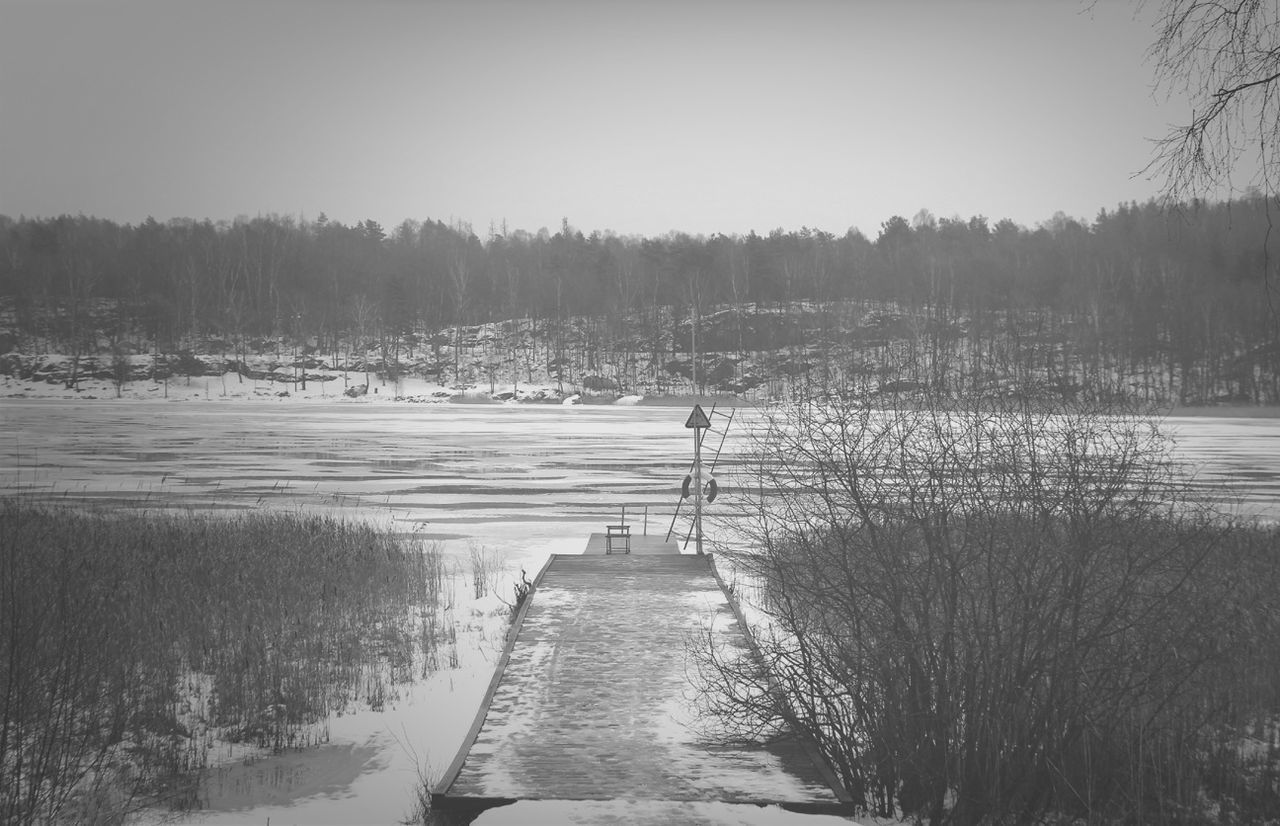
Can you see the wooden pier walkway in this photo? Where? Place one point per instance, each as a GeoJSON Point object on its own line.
{"type": "Point", "coordinates": [644, 544]}
{"type": "Point", "coordinates": [594, 698]}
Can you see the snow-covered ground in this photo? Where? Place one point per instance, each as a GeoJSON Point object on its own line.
{"type": "Point", "coordinates": [323, 385]}
{"type": "Point", "coordinates": [519, 481]}
{"type": "Point", "coordinates": [374, 762]}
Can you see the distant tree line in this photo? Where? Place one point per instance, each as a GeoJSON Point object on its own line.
{"type": "Point", "coordinates": [1141, 290]}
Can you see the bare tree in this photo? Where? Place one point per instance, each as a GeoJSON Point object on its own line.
{"type": "Point", "coordinates": [459, 279]}
{"type": "Point", "coordinates": [1225, 57]}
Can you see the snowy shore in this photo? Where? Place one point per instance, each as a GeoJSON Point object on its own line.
{"type": "Point", "coordinates": [354, 388]}
{"type": "Point", "coordinates": [322, 385]}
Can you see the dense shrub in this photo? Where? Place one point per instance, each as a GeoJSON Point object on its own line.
{"type": "Point", "coordinates": [990, 613]}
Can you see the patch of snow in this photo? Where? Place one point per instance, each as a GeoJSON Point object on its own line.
{"type": "Point", "coordinates": [374, 761]}
{"type": "Point", "coordinates": [488, 605]}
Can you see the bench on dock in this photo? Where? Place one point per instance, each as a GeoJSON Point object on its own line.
{"type": "Point", "coordinates": [617, 539]}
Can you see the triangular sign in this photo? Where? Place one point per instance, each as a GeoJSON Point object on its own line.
{"type": "Point", "coordinates": [697, 418]}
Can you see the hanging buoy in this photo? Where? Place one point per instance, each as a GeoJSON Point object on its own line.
{"type": "Point", "coordinates": [711, 490]}
{"type": "Point", "coordinates": [684, 488]}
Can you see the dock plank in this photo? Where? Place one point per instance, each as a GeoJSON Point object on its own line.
{"type": "Point", "coordinates": [641, 545]}
{"type": "Point", "coordinates": [595, 700]}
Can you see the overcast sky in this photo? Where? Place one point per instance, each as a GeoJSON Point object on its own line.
{"type": "Point", "coordinates": [636, 117]}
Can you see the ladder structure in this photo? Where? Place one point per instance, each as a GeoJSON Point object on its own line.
{"type": "Point", "coordinates": [690, 526]}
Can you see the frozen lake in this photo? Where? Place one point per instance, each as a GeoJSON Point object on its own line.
{"type": "Point", "coordinates": [526, 480]}
{"type": "Point", "coordinates": [1242, 453]}
{"type": "Point", "coordinates": [523, 481]}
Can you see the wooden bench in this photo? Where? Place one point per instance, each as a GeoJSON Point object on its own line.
{"type": "Point", "coordinates": [617, 539]}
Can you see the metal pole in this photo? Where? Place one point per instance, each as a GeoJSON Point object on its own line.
{"type": "Point", "coordinates": [697, 486]}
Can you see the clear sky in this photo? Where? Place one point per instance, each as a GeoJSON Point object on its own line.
{"type": "Point", "coordinates": [637, 117]}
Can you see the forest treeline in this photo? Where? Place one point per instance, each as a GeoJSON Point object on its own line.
{"type": "Point", "coordinates": [1141, 297]}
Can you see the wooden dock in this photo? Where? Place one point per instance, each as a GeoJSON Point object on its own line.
{"type": "Point", "coordinates": [594, 698]}
{"type": "Point", "coordinates": [639, 544]}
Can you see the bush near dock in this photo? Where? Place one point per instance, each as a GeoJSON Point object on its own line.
{"type": "Point", "coordinates": [990, 613]}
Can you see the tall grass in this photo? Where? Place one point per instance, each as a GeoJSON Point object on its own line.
{"type": "Point", "coordinates": [130, 643]}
